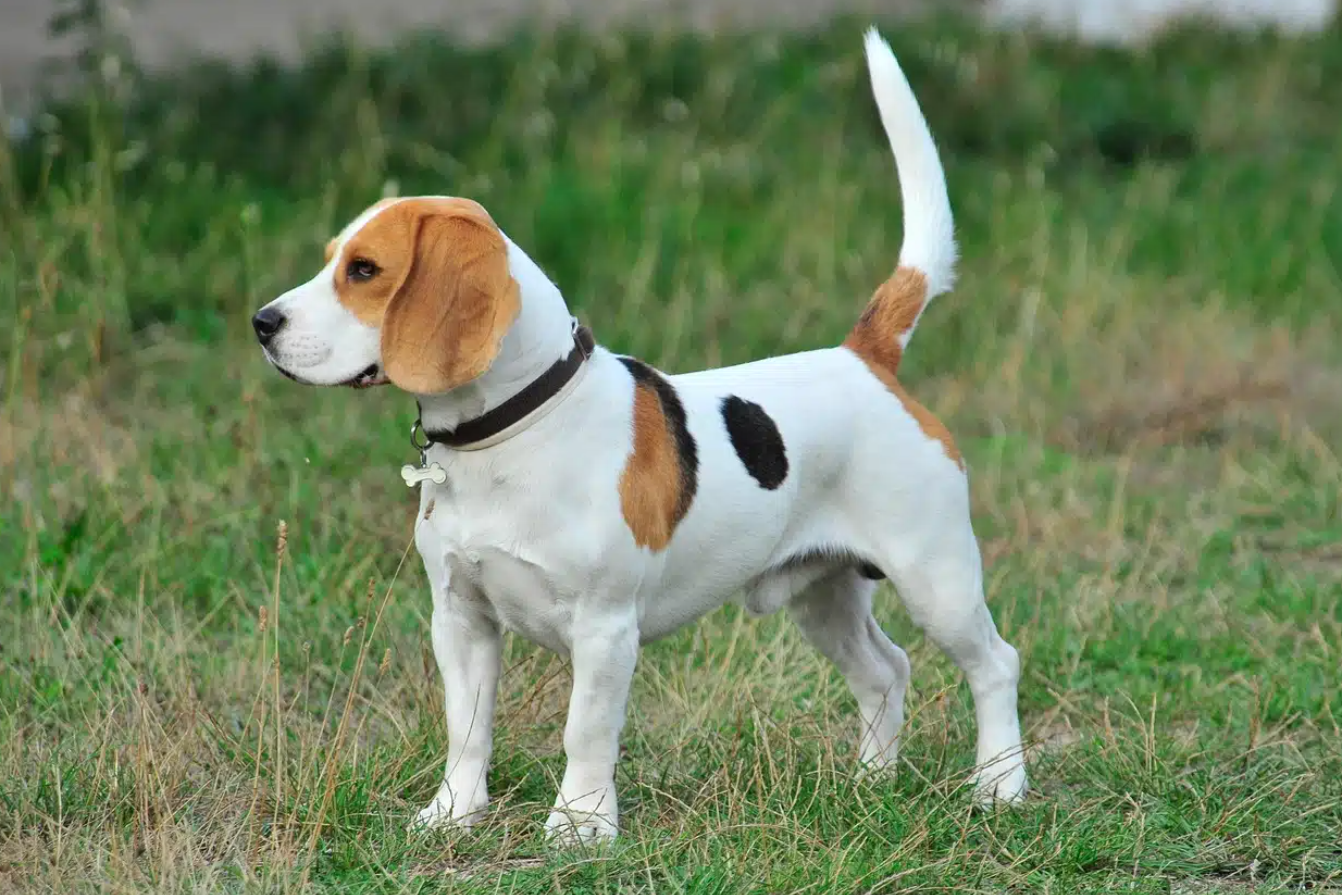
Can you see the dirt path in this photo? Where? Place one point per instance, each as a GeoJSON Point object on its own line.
{"type": "Point", "coordinates": [165, 31]}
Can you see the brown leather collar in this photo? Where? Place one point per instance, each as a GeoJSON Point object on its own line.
{"type": "Point", "coordinates": [521, 405]}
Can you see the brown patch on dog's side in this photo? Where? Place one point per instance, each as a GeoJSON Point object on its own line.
{"type": "Point", "coordinates": [891, 313]}
{"type": "Point", "coordinates": [661, 475]}
{"type": "Point", "coordinates": [650, 483]}
{"type": "Point", "coordinates": [442, 292]}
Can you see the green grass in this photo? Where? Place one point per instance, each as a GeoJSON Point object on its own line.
{"type": "Point", "coordinates": [1140, 363]}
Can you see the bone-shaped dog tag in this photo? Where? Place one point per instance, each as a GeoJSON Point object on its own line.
{"type": "Point", "coordinates": [415, 475]}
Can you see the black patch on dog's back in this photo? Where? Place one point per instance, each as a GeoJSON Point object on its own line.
{"type": "Point", "coordinates": [756, 440]}
{"type": "Point", "coordinates": [686, 450]}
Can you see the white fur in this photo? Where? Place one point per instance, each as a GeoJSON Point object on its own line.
{"type": "Point", "coordinates": [322, 343]}
{"type": "Point", "coordinates": [929, 230]}
{"type": "Point", "coordinates": [529, 536]}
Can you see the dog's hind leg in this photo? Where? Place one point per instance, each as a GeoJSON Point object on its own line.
{"type": "Point", "coordinates": [940, 581]}
{"type": "Point", "coordinates": [834, 613]}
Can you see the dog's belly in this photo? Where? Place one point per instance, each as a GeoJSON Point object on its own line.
{"type": "Point", "coordinates": [663, 611]}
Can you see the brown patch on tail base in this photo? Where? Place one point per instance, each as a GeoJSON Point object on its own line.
{"type": "Point", "coordinates": [891, 313]}
{"type": "Point", "coordinates": [661, 475]}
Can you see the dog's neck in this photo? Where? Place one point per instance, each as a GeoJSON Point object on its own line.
{"type": "Point", "coordinates": [541, 335]}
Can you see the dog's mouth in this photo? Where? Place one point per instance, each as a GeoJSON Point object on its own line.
{"type": "Point", "coordinates": [372, 375]}
{"type": "Point", "coordinates": [285, 373]}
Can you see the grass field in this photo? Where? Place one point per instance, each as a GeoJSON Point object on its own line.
{"type": "Point", "coordinates": [1140, 364]}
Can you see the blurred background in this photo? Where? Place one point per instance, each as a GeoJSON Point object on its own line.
{"type": "Point", "coordinates": [162, 31]}
{"type": "Point", "coordinates": [215, 673]}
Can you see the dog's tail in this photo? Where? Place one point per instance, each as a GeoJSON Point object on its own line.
{"type": "Point", "coordinates": [927, 258]}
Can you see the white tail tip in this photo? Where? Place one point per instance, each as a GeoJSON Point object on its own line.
{"type": "Point", "coordinates": [929, 230]}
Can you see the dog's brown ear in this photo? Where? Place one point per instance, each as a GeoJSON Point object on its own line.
{"type": "Point", "coordinates": [444, 324]}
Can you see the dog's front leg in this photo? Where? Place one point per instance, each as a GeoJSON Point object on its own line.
{"type": "Point", "coordinates": [467, 645]}
{"type": "Point", "coordinates": [604, 652]}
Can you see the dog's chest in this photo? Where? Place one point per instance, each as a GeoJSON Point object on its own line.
{"type": "Point", "coordinates": [495, 552]}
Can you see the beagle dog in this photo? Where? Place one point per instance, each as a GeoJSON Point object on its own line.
{"type": "Point", "coordinates": [592, 503]}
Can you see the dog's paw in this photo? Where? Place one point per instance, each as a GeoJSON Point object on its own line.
{"type": "Point", "coordinates": [585, 812]}
{"type": "Point", "coordinates": [997, 786]}
{"type": "Point", "coordinates": [569, 827]}
{"type": "Point", "coordinates": [439, 814]}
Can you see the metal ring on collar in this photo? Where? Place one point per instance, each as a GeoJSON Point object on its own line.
{"type": "Point", "coordinates": [415, 431]}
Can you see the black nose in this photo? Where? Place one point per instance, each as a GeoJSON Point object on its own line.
{"type": "Point", "coordinates": [267, 322]}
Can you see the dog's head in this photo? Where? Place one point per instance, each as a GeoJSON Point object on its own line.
{"type": "Point", "coordinates": [417, 292]}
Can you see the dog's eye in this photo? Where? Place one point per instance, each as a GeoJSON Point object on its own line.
{"type": "Point", "coordinates": [361, 270]}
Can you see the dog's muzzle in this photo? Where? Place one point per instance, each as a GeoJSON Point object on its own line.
{"type": "Point", "coordinates": [267, 323]}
